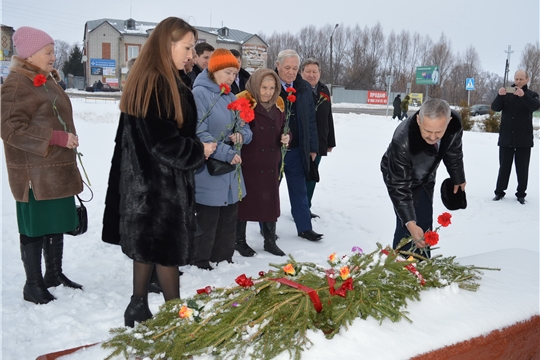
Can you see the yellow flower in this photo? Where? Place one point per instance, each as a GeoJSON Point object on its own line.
{"type": "Point", "coordinates": [410, 258]}
{"type": "Point", "coordinates": [185, 312]}
{"type": "Point", "coordinates": [289, 269]}
{"type": "Point", "coordinates": [332, 257]}
{"type": "Point", "coordinates": [344, 273]}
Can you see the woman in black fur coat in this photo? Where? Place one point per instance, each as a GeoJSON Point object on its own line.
{"type": "Point", "coordinates": [150, 202]}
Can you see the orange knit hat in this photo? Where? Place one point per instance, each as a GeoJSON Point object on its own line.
{"type": "Point", "coordinates": [221, 59]}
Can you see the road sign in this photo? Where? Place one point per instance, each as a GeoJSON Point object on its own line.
{"type": "Point", "coordinates": [106, 63]}
{"type": "Point", "coordinates": [469, 84]}
{"type": "Point", "coordinates": [427, 75]}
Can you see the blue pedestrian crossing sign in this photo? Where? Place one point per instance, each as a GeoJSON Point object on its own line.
{"type": "Point", "coordinates": [469, 84]}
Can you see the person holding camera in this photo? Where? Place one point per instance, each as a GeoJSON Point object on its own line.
{"type": "Point", "coordinates": [40, 141]}
{"type": "Point", "coordinates": [517, 104]}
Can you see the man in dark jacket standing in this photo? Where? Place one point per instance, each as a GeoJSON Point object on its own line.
{"type": "Point", "coordinates": [304, 142]}
{"type": "Point", "coordinates": [311, 72]}
{"type": "Point", "coordinates": [409, 166]}
{"type": "Point", "coordinates": [239, 84]}
{"type": "Point", "coordinates": [515, 133]}
{"type": "Point", "coordinates": [397, 107]}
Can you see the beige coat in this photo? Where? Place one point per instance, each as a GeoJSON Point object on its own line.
{"type": "Point", "coordinates": [28, 121]}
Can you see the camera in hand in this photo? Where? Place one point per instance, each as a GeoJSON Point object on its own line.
{"type": "Point", "coordinates": [510, 90]}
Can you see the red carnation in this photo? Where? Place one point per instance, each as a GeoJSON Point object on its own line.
{"type": "Point", "coordinates": [247, 115]}
{"type": "Point", "coordinates": [39, 80]}
{"type": "Point", "coordinates": [291, 98]}
{"type": "Point", "coordinates": [431, 238]}
{"type": "Point", "coordinates": [224, 88]}
{"type": "Point", "coordinates": [291, 90]}
{"type": "Point", "coordinates": [325, 96]}
{"type": "Point", "coordinates": [244, 281]}
{"type": "Point", "coordinates": [444, 219]}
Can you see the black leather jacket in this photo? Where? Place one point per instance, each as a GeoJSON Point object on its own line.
{"type": "Point", "coordinates": [410, 163]}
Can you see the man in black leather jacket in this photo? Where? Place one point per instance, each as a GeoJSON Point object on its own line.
{"type": "Point", "coordinates": [515, 134]}
{"type": "Point", "coordinates": [409, 166]}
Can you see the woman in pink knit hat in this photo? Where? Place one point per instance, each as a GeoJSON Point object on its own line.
{"type": "Point", "coordinates": [40, 141]}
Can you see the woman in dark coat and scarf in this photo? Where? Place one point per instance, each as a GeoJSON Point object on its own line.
{"type": "Point", "coordinates": [150, 202]}
{"type": "Point", "coordinates": [261, 160]}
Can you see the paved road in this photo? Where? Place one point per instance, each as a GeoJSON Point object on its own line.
{"type": "Point", "coordinates": [371, 111]}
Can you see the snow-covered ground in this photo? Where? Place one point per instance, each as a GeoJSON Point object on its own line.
{"type": "Point", "coordinates": [355, 211]}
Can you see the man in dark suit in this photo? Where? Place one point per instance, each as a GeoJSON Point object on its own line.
{"type": "Point", "coordinates": [311, 72]}
{"type": "Point", "coordinates": [515, 133]}
{"type": "Point", "coordinates": [304, 142]}
{"type": "Point", "coordinates": [239, 83]}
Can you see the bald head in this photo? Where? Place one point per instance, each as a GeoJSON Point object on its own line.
{"type": "Point", "coordinates": [521, 78]}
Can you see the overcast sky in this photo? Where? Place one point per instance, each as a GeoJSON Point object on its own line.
{"type": "Point", "coordinates": [489, 25]}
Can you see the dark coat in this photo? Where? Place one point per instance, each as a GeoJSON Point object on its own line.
{"type": "Point", "coordinates": [260, 165]}
{"type": "Point", "coordinates": [397, 106]}
{"type": "Point", "coordinates": [411, 163]}
{"type": "Point", "coordinates": [304, 109]}
{"type": "Point", "coordinates": [28, 121]}
{"type": "Point", "coordinates": [150, 201]}
{"type": "Point", "coordinates": [325, 121]}
{"type": "Point", "coordinates": [516, 128]}
{"type": "Point", "coordinates": [243, 77]}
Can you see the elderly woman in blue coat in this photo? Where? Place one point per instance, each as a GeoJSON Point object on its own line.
{"type": "Point", "coordinates": [217, 196]}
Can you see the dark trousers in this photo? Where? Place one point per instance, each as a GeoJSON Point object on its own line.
{"type": "Point", "coordinates": [310, 184]}
{"type": "Point", "coordinates": [216, 243]}
{"type": "Point", "coordinates": [423, 208]}
{"type": "Point", "coordinates": [521, 157]}
{"type": "Point", "coordinates": [296, 185]}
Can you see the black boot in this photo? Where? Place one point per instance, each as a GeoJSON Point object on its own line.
{"type": "Point", "coordinates": [137, 310]}
{"type": "Point", "coordinates": [154, 286]}
{"type": "Point", "coordinates": [34, 288]}
{"type": "Point", "coordinates": [53, 249]}
{"type": "Point", "coordinates": [269, 232]}
{"type": "Point", "coordinates": [240, 244]}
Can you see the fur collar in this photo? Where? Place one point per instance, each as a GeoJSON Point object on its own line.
{"type": "Point", "coordinates": [418, 145]}
{"type": "Point", "coordinates": [29, 70]}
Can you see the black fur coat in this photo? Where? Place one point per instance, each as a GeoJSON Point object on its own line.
{"type": "Point", "coordinates": [150, 201]}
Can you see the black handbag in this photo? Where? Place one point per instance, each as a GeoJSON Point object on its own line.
{"type": "Point", "coordinates": [217, 167]}
{"type": "Point", "coordinates": [82, 215]}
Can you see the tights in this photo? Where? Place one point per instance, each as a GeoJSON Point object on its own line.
{"type": "Point", "coordinates": [168, 279]}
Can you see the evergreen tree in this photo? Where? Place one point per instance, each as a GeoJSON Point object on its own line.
{"type": "Point", "coordinates": [74, 64]}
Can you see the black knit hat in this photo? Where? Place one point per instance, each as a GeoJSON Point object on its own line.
{"type": "Point", "coordinates": [450, 200]}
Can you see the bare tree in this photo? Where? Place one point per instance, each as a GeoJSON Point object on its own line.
{"type": "Point", "coordinates": [530, 62]}
{"type": "Point", "coordinates": [61, 51]}
{"type": "Point", "coordinates": [440, 54]}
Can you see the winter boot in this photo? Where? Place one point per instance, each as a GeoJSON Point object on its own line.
{"type": "Point", "coordinates": [137, 310]}
{"type": "Point", "coordinates": [34, 289]}
{"type": "Point", "coordinates": [269, 232]}
{"type": "Point", "coordinates": [240, 244]}
{"type": "Point", "coordinates": [53, 249]}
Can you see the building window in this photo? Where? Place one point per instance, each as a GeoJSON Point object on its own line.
{"type": "Point", "coordinates": [106, 50]}
{"type": "Point", "coordinates": [132, 51]}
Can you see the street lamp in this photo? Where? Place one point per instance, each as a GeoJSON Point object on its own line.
{"type": "Point", "coordinates": [331, 65]}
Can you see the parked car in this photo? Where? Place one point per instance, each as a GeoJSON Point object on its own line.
{"type": "Point", "coordinates": [104, 88]}
{"type": "Point", "coordinates": [480, 109]}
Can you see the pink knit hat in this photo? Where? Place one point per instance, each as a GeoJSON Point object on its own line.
{"type": "Point", "coordinates": [28, 41]}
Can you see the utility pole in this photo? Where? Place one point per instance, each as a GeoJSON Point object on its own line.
{"type": "Point", "coordinates": [507, 67]}
{"type": "Point", "coordinates": [331, 65]}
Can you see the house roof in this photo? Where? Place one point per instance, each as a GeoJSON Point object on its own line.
{"type": "Point", "coordinates": [141, 28]}
{"type": "Point", "coordinates": [234, 36]}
